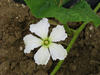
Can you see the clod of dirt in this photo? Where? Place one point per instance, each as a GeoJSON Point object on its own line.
{"type": "Point", "coordinates": [72, 67]}
{"type": "Point", "coordinates": [17, 56]}
{"type": "Point", "coordinates": [30, 55]}
{"type": "Point", "coordinates": [94, 52]}
{"type": "Point", "coordinates": [45, 67]}
{"type": "Point", "coordinates": [41, 73]}
{"type": "Point", "coordinates": [11, 39]}
{"type": "Point", "coordinates": [73, 52]}
{"type": "Point", "coordinates": [94, 62]}
{"type": "Point", "coordinates": [3, 52]}
{"type": "Point", "coordinates": [77, 54]}
{"type": "Point", "coordinates": [18, 34]}
{"type": "Point", "coordinates": [28, 66]}
{"type": "Point", "coordinates": [4, 67]}
{"type": "Point", "coordinates": [81, 42]}
{"type": "Point", "coordinates": [13, 64]}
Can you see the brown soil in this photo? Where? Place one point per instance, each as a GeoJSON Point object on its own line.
{"type": "Point", "coordinates": [83, 58]}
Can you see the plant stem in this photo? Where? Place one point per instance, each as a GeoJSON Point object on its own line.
{"type": "Point", "coordinates": [67, 29]}
{"type": "Point", "coordinates": [68, 48]}
{"type": "Point", "coordinates": [97, 7]}
{"type": "Point", "coordinates": [75, 36]}
{"type": "Point", "coordinates": [57, 67]}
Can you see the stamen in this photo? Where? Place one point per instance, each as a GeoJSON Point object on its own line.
{"type": "Point", "coordinates": [46, 42]}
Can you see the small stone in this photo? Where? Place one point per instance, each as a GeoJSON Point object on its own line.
{"type": "Point", "coordinates": [20, 48]}
{"type": "Point", "coordinates": [16, 17]}
{"type": "Point", "coordinates": [9, 1]}
{"type": "Point", "coordinates": [90, 35]}
{"type": "Point", "coordinates": [91, 28]}
{"type": "Point", "coordinates": [23, 5]}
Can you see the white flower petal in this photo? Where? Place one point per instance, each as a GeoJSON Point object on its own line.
{"type": "Point", "coordinates": [57, 51]}
{"type": "Point", "coordinates": [41, 28]}
{"type": "Point", "coordinates": [42, 56]}
{"type": "Point", "coordinates": [58, 34]}
{"type": "Point", "coordinates": [31, 42]}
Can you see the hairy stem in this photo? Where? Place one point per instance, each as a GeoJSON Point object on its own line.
{"type": "Point", "coordinates": [68, 48]}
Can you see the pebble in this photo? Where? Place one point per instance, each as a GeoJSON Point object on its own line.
{"type": "Point", "coordinates": [23, 5]}
{"type": "Point", "coordinates": [91, 28]}
{"type": "Point", "coordinates": [20, 48]}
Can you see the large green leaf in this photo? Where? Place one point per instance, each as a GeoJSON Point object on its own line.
{"type": "Point", "coordinates": [50, 8]}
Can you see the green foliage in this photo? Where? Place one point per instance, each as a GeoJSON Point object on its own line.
{"type": "Point", "coordinates": [51, 8]}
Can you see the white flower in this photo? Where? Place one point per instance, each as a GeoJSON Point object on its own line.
{"type": "Point", "coordinates": [48, 48]}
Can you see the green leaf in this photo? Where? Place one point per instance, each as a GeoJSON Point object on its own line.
{"type": "Point", "coordinates": [50, 8]}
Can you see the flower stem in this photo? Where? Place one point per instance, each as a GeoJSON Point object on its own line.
{"type": "Point", "coordinates": [68, 48]}
{"type": "Point", "coordinates": [67, 29]}
{"type": "Point", "coordinates": [97, 7]}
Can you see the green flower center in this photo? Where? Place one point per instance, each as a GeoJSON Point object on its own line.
{"type": "Point", "coordinates": [46, 42]}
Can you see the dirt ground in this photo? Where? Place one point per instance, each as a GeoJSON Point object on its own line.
{"type": "Point", "coordinates": [83, 58]}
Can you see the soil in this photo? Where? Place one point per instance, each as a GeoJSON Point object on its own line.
{"type": "Point", "coordinates": [82, 59]}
